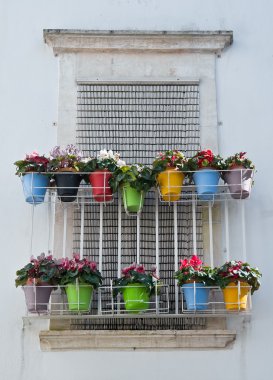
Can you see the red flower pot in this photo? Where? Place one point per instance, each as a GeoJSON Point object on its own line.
{"type": "Point", "coordinates": [101, 189]}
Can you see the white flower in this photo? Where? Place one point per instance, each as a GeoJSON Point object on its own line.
{"type": "Point", "coordinates": [121, 163]}
{"type": "Point", "coordinates": [103, 155]}
{"type": "Point", "coordinates": [111, 154]}
{"type": "Point", "coordinates": [116, 156]}
{"type": "Point", "coordinates": [87, 159]}
{"type": "Point", "coordinates": [139, 168]}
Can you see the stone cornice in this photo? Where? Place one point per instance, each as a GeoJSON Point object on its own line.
{"type": "Point", "coordinates": [65, 41]}
{"type": "Point", "coordinates": [130, 340]}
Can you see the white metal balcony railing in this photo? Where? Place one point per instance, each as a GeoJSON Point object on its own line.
{"type": "Point", "coordinates": [188, 196]}
{"type": "Point", "coordinates": [108, 306]}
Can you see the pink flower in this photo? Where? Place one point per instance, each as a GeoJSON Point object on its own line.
{"type": "Point", "coordinates": [76, 257]}
{"type": "Point", "coordinates": [32, 155]}
{"type": "Point", "coordinates": [93, 266]}
{"type": "Point", "coordinates": [140, 269]}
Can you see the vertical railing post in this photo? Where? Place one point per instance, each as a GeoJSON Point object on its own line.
{"type": "Point", "coordinates": [227, 231]}
{"type": "Point", "coordinates": [119, 252]}
{"type": "Point", "coordinates": [194, 226]}
{"type": "Point", "coordinates": [65, 229]}
{"type": "Point", "coordinates": [82, 230]}
{"type": "Point", "coordinates": [157, 246]}
{"type": "Point", "coordinates": [100, 254]}
{"type": "Point", "coordinates": [175, 251]}
{"type": "Point", "coordinates": [243, 230]}
{"type": "Point", "coordinates": [138, 238]}
{"type": "Point", "coordinates": [211, 235]}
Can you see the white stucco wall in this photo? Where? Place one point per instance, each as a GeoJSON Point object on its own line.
{"type": "Point", "coordinates": [28, 82]}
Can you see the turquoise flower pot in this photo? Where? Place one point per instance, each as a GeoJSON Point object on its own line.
{"type": "Point", "coordinates": [206, 182]}
{"type": "Point", "coordinates": [35, 186]}
{"type": "Point", "coordinates": [196, 295]}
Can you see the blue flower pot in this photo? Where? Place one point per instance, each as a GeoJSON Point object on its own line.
{"type": "Point", "coordinates": [34, 186]}
{"type": "Point", "coordinates": [196, 295]}
{"type": "Point", "coordinates": [206, 182]}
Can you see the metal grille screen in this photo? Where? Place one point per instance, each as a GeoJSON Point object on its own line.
{"type": "Point", "coordinates": [138, 120]}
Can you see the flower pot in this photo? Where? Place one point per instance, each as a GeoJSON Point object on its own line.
{"type": "Point", "coordinates": [136, 298]}
{"type": "Point", "coordinates": [133, 199]}
{"type": "Point", "coordinates": [37, 297]}
{"type": "Point", "coordinates": [170, 182]}
{"type": "Point", "coordinates": [206, 182]}
{"type": "Point", "coordinates": [101, 189]}
{"type": "Point", "coordinates": [196, 295]}
{"type": "Point", "coordinates": [67, 185]}
{"type": "Point", "coordinates": [79, 297]}
{"type": "Point", "coordinates": [239, 180]}
{"type": "Point", "coordinates": [235, 296]}
{"type": "Point", "coordinates": [34, 186]}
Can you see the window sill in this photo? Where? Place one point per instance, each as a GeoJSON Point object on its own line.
{"type": "Point", "coordinates": [132, 340]}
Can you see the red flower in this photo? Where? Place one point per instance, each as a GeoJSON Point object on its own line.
{"type": "Point", "coordinates": [195, 262]}
{"type": "Point", "coordinates": [184, 264]}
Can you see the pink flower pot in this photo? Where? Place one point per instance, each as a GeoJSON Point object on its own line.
{"type": "Point", "coordinates": [239, 181]}
{"type": "Point", "coordinates": [37, 297]}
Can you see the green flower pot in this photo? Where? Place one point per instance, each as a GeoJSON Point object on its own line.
{"type": "Point", "coordinates": [136, 298]}
{"type": "Point", "coordinates": [79, 297]}
{"type": "Point", "coordinates": [133, 199]}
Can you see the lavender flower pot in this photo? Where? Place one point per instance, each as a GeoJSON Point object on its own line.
{"type": "Point", "coordinates": [239, 180]}
{"type": "Point", "coordinates": [37, 297]}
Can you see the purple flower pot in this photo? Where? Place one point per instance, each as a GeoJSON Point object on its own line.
{"type": "Point", "coordinates": [37, 297]}
{"type": "Point", "coordinates": [239, 180]}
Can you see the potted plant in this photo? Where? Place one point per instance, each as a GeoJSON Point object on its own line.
{"type": "Point", "coordinates": [136, 286]}
{"type": "Point", "coordinates": [169, 168]}
{"type": "Point", "coordinates": [38, 279]}
{"type": "Point", "coordinates": [194, 279]}
{"type": "Point", "coordinates": [237, 279]}
{"type": "Point", "coordinates": [65, 163]}
{"type": "Point", "coordinates": [206, 166]}
{"type": "Point", "coordinates": [101, 169]}
{"type": "Point", "coordinates": [134, 181]}
{"type": "Point", "coordinates": [79, 277]}
{"type": "Point", "coordinates": [32, 172]}
{"type": "Point", "coordinates": [238, 175]}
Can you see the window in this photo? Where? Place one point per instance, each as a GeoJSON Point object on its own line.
{"type": "Point", "coordinates": [145, 92]}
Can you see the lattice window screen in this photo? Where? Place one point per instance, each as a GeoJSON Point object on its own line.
{"type": "Point", "coordinates": [139, 120]}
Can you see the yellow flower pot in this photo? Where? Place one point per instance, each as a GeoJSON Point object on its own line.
{"type": "Point", "coordinates": [170, 182]}
{"type": "Point", "coordinates": [235, 297]}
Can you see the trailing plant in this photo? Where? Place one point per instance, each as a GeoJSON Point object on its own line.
{"type": "Point", "coordinates": [81, 270]}
{"type": "Point", "coordinates": [68, 158]}
{"type": "Point", "coordinates": [234, 271]}
{"type": "Point", "coordinates": [33, 162]}
{"type": "Point", "coordinates": [140, 177]}
{"type": "Point", "coordinates": [193, 270]}
{"type": "Point", "coordinates": [136, 274]}
{"type": "Point", "coordinates": [170, 159]}
{"type": "Point", "coordinates": [39, 270]}
{"type": "Point", "coordinates": [104, 160]}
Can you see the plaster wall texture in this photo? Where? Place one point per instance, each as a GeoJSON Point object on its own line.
{"type": "Point", "coordinates": [29, 97]}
